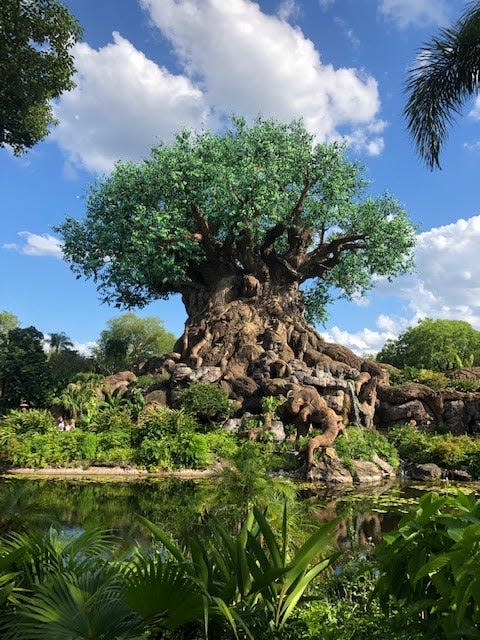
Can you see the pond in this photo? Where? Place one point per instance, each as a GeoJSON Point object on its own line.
{"type": "Point", "coordinates": [180, 506]}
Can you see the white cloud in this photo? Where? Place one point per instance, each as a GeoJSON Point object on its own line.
{"type": "Point", "coordinates": [84, 348]}
{"type": "Point", "coordinates": [251, 63]}
{"type": "Point", "coordinates": [415, 12]}
{"type": "Point", "coordinates": [446, 283]}
{"type": "Point", "coordinates": [255, 63]}
{"type": "Point", "coordinates": [288, 10]}
{"type": "Point", "coordinates": [37, 245]}
{"type": "Point", "coordinates": [475, 112]}
{"type": "Point", "coordinates": [368, 340]}
{"type": "Point", "coordinates": [122, 105]}
{"type": "Point", "coordinates": [325, 4]}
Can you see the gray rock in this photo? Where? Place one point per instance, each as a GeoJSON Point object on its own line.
{"type": "Point", "coordinates": [386, 468]}
{"type": "Point", "coordinates": [427, 471]}
{"type": "Point", "coordinates": [278, 431]}
{"type": "Point", "coordinates": [232, 425]}
{"type": "Point", "coordinates": [330, 470]}
{"type": "Point", "coordinates": [366, 472]}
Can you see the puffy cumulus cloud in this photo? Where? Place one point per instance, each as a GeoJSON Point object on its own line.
{"type": "Point", "coordinates": [84, 348]}
{"type": "Point", "coordinates": [368, 340]}
{"type": "Point", "coordinates": [446, 283]}
{"type": "Point", "coordinates": [123, 103]}
{"type": "Point", "coordinates": [37, 245]}
{"type": "Point", "coordinates": [415, 12]}
{"type": "Point", "coordinates": [255, 63]}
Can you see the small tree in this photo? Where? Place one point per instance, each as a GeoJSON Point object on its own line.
{"type": "Point", "coordinates": [129, 339]}
{"type": "Point", "coordinates": [36, 65]}
{"type": "Point", "coordinates": [440, 345]}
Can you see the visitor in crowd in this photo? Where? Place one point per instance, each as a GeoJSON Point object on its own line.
{"type": "Point", "coordinates": [60, 424]}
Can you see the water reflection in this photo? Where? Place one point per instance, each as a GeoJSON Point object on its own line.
{"type": "Point", "coordinates": [180, 506]}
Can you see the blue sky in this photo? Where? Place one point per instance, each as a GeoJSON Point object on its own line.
{"type": "Point", "coordinates": [147, 68]}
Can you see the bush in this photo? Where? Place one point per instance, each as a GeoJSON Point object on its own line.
{"type": "Point", "coordinates": [31, 420]}
{"type": "Point", "coordinates": [116, 456]}
{"type": "Point", "coordinates": [79, 446]}
{"type": "Point", "coordinates": [221, 444]}
{"type": "Point", "coordinates": [433, 379]}
{"type": "Point", "coordinates": [154, 454]}
{"type": "Point", "coordinates": [464, 385]}
{"type": "Point", "coordinates": [363, 444]}
{"type": "Point", "coordinates": [448, 451]}
{"type": "Point", "coordinates": [112, 419]}
{"type": "Point", "coordinates": [155, 423]}
{"type": "Point", "coordinates": [206, 402]}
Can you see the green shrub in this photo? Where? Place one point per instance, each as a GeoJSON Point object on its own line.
{"type": "Point", "coordinates": [159, 422]}
{"type": "Point", "coordinates": [112, 419]}
{"type": "Point", "coordinates": [116, 455]}
{"type": "Point", "coordinates": [145, 381]}
{"type": "Point", "coordinates": [221, 444]}
{"type": "Point", "coordinates": [464, 385]}
{"type": "Point", "coordinates": [433, 379]}
{"type": "Point", "coordinates": [363, 444]}
{"type": "Point", "coordinates": [112, 439]}
{"type": "Point", "coordinates": [191, 451]}
{"type": "Point", "coordinates": [154, 454]}
{"type": "Point", "coordinates": [206, 402]}
{"type": "Point", "coordinates": [31, 420]}
{"type": "Point", "coordinates": [79, 446]}
{"type": "Point", "coordinates": [448, 451]}
{"type": "Point", "coordinates": [38, 450]}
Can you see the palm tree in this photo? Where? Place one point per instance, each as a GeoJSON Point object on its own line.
{"type": "Point", "coordinates": [446, 74]}
{"type": "Point", "coordinates": [59, 342]}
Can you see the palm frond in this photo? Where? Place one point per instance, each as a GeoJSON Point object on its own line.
{"type": "Point", "coordinates": [446, 74]}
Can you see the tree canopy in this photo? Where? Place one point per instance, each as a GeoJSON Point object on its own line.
{"type": "Point", "coordinates": [129, 339]}
{"type": "Point", "coordinates": [440, 345]}
{"type": "Point", "coordinates": [263, 199]}
{"type": "Point", "coordinates": [8, 321]}
{"type": "Point", "coordinates": [36, 65]}
{"type": "Point", "coordinates": [24, 371]}
{"type": "Point", "coordinates": [446, 74]}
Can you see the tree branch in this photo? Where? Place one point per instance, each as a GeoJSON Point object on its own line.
{"type": "Point", "coordinates": [328, 254]}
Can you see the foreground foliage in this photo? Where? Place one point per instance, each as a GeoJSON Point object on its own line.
{"type": "Point", "coordinates": [228, 581]}
{"type": "Point", "coordinates": [430, 567]}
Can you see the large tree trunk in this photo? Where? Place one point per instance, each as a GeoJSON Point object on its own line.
{"type": "Point", "coordinates": [251, 338]}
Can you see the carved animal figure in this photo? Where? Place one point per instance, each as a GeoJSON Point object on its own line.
{"type": "Point", "coordinates": [309, 408]}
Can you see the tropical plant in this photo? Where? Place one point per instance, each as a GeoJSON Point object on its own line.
{"type": "Point", "coordinates": [59, 342]}
{"type": "Point", "coordinates": [430, 567]}
{"type": "Point", "coordinates": [36, 66]}
{"type": "Point", "coordinates": [63, 586]}
{"type": "Point", "coordinates": [251, 578]}
{"type": "Point", "coordinates": [446, 74]}
{"type": "Point", "coordinates": [364, 444]}
{"type": "Point", "coordinates": [81, 399]}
